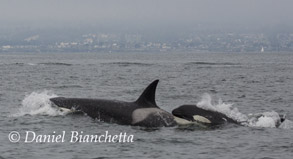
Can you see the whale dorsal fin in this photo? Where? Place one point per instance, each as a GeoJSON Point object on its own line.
{"type": "Point", "coordinates": [147, 98]}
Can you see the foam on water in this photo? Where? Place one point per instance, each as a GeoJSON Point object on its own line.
{"type": "Point", "coordinates": [38, 103]}
{"type": "Point", "coordinates": [266, 119]}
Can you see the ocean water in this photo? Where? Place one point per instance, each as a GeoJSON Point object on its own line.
{"type": "Point", "coordinates": [241, 86]}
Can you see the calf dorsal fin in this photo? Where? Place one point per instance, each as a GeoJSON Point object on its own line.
{"type": "Point", "coordinates": [147, 98]}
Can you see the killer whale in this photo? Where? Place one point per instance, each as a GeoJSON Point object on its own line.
{"type": "Point", "coordinates": [142, 112]}
{"type": "Point", "coordinates": [192, 114]}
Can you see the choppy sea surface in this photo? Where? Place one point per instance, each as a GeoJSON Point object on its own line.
{"type": "Point", "coordinates": [241, 86]}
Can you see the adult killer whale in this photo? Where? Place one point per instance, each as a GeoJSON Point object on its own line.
{"type": "Point", "coordinates": [142, 112]}
{"type": "Point", "coordinates": [192, 114]}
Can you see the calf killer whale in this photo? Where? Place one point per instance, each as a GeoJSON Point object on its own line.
{"type": "Point", "coordinates": [142, 112]}
{"type": "Point", "coordinates": [191, 114]}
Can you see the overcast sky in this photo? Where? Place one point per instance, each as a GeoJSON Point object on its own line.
{"type": "Point", "coordinates": [148, 12]}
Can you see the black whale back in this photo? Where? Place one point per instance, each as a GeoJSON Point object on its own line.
{"type": "Point", "coordinates": [142, 112]}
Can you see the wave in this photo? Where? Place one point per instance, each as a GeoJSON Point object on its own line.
{"type": "Point", "coordinates": [56, 64]}
{"type": "Point", "coordinates": [38, 103]}
{"type": "Point", "coordinates": [35, 64]}
{"type": "Point", "coordinates": [129, 63]}
{"type": "Point", "coordinates": [262, 120]}
{"type": "Point", "coordinates": [13, 64]}
{"type": "Point", "coordinates": [212, 63]}
{"type": "Point", "coordinates": [67, 86]}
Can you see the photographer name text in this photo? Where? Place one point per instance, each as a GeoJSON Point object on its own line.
{"type": "Point", "coordinates": [71, 137]}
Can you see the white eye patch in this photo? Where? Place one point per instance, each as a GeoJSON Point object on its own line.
{"type": "Point", "coordinates": [201, 119]}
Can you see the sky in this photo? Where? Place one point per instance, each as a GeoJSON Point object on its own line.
{"type": "Point", "coordinates": [147, 13]}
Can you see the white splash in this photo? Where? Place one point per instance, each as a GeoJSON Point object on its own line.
{"type": "Point", "coordinates": [287, 124]}
{"type": "Point", "coordinates": [267, 119]}
{"type": "Point", "coordinates": [38, 103]}
{"type": "Point", "coordinates": [225, 108]}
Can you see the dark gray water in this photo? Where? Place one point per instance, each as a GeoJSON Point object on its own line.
{"type": "Point", "coordinates": [254, 83]}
